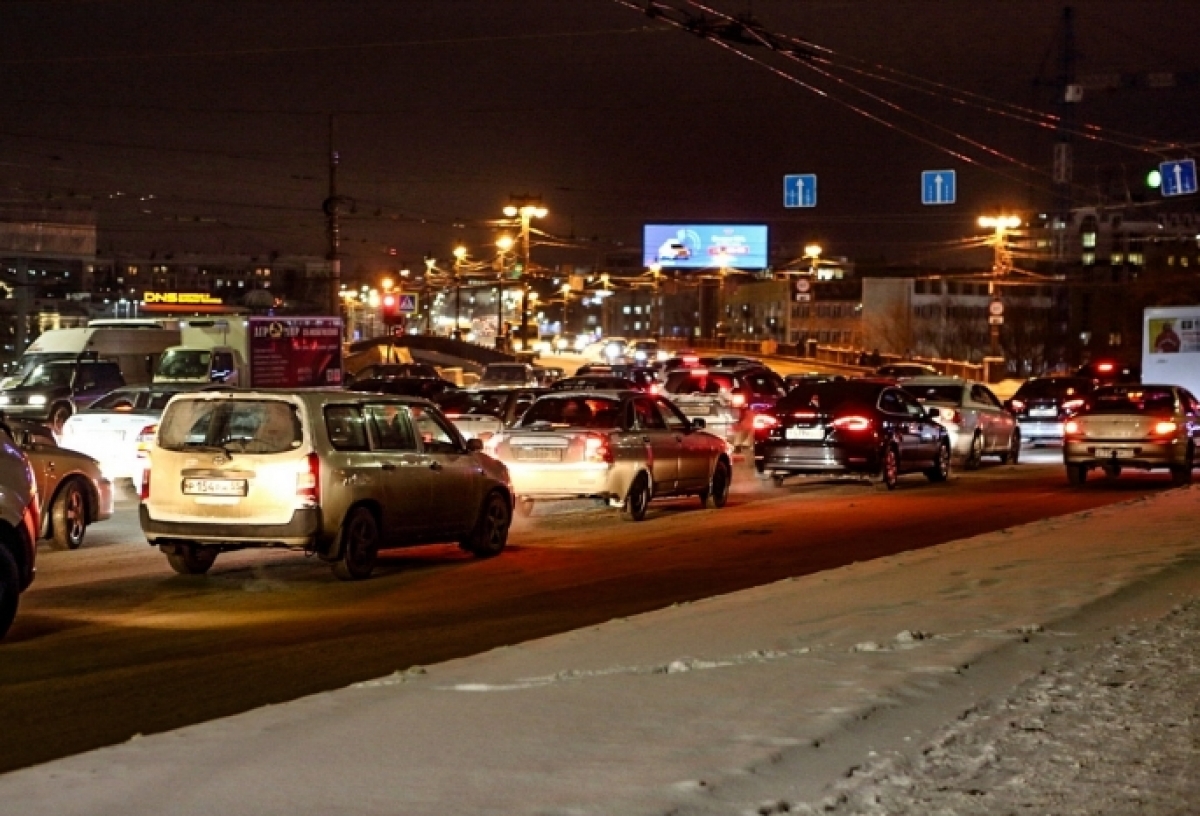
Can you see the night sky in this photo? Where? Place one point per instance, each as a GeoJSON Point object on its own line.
{"type": "Point", "coordinates": [204, 126]}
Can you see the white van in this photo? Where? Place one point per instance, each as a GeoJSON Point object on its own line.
{"type": "Point", "coordinates": [136, 350]}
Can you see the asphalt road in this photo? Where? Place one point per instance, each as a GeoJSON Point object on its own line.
{"type": "Point", "coordinates": [110, 643]}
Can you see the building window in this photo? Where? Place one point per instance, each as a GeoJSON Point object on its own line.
{"type": "Point", "coordinates": [1137, 259]}
{"type": "Point", "coordinates": [1089, 240]}
{"type": "Point", "coordinates": [625, 310]}
{"type": "Point", "coordinates": [1089, 259]}
{"type": "Point", "coordinates": [1114, 339]}
{"type": "Point", "coordinates": [1118, 259]}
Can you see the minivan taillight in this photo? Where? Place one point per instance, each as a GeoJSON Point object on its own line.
{"type": "Point", "coordinates": [308, 481]}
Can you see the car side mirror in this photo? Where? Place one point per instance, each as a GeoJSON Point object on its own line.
{"type": "Point", "coordinates": [699, 424]}
{"type": "Point", "coordinates": [933, 413]}
{"type": "Point", "coordinates": [474, 445]}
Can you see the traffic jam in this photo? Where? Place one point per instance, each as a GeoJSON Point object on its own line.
{"type": "Point", "coordinates": [398, 455]}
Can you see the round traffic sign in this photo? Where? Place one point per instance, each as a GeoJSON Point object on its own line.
{"type": "Point", "coordinates": [803, 284]}
{"type": "Point", "coordinates": [996, 307]}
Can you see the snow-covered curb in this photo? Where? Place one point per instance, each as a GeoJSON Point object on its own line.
{"type": "Point", "coordinates": [687, 708]}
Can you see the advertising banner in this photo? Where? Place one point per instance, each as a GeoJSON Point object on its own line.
{"type": "Point", "coordinates": [1173, 335]}
{"type": "Point", "coordinates": [295, 352]}
{"type": "Point", "coordinates": [705, 246]}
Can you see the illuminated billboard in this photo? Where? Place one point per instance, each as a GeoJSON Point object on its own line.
{"type": "Point", "coordinates": [705, 246]}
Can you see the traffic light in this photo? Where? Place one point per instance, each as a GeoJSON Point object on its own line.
{"type": "Point", "coordinates": [389, 306]}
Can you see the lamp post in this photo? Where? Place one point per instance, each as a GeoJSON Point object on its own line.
{"type": "Point", "coordinates": [525, 207]}
{"type": "Point", "coordinates": [813, 253]}
{"type": "Point", "coordinates": [505, 244]}
{"type": "Point", "coordinates": [1001, 265]}
{"type": "Point", "coordinates": [566, 296]}
{"type": "Point", "coordinates": [460, 253]}
{"type": "Point", "coordinates": [655, 305]}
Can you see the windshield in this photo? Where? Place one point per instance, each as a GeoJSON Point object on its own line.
{"type": "Point", "coordinates": [185, 364]}
{"type": "Point", "coordinates": [133, 400]}
{"type": "Point", "coordinates": [1133, 400]}
{"type": "Point", "coordinates": [937, 393]}
{"type": "Point", "coordinates": [1055, 387]}
{"type": "Point", "coordinates": [50, 374]}
{"type": "Point", "coordinates": [29, 362]}
{"type": "Point", "coordinates": [573, 412]}
{"type": "Point", "coordinates": [236, 426]}
{"type": "Point", "coordinates": [829, 396]}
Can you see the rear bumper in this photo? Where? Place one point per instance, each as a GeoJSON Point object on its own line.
{"type": "Point", "coordinates": [1134, 454]}
{"type": "Point", "coordinates": [1033, 430]}
{"type": "Point", "coordinates": [301, 531]}
{"type": "Point", "coordinates": [814, 459]}
{"type": "Point", "coordinates": [568, 481]}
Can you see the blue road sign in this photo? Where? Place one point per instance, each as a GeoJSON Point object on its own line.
{"type": "Point", "coordinates": [800, 190]}
{"type": "Point", "coordinates": [407, 304]}
{"type": "Point", "coordinates": [938, 187]}
{"type": "Point", "coordinates": [1178, 177]}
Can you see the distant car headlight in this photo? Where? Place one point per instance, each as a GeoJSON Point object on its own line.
{"type": "Point", "coordinates": [663, 355]}
{"type": "Point", "coordinates": [5, 400]}
{"type": "Point", "coordinates": [581, 343]}
{"type": "Point", "coordinates": [37, 399]}
{"type": "Point", "coordinates": [640, 356]}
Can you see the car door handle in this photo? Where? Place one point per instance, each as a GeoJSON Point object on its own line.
{"type": "Point", "coordinates": [435, 465]}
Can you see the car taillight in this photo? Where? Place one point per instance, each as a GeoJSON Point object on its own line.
{"type": "Point", "coordinates": [653, 389]}
{"type": "Point", "coordinates": [1105, 368]}
{"type": "Point", "coordinates": [1071, 406]}
{"type": "Point", "coordinates": [951, 415]}
{"type": "Point", "coordinates": [1017, 405]}
{"type": "Point", "coordinates": [308, 481]}
{"type": "Point", "coordinates": [144, 490]}
{"type": "Point", "coordinates": [144, 439]}
{"type": "Point", "coordinates": [596, 448]}
{"type": "Point", "coordinates": [764, 422]}
{"type": "Point", "coordinates": [852, 423]}
{"type": "Point", "coordinates": [1071, 427]}
{"type": "Point", "coordinates": [1165, 428]}
{"type": "Point", "coordinates": [738, 400]}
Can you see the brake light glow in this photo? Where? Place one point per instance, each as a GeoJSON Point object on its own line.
{"type": "Point", "coordinates": [1071, 427]}
{"type": "Point", "coordinates": [690, 360]}
{"type": "Point", "coordinates": [699, 372]}
{"type": "Point", "coordinates": [1017, 405]}
{"type": "Point", "coordinates": [952, 415]}
{"type": "Point", "coordinates": [1165, 428]}
{"type": "Point", "coordinates": [596, 448]}
{"type": "Point", "coordinates": [308, 481]}
{"type": "Point", "coordinates": [1072, 405]}
{"type": "Point", "coordinates": [1104, 367]}
{"type": "Point", "coordinates": [804, 414]}
{"type": "Point", "coordinates": [852, 423]}
{"type": "Point", "coordinates": [739, 400]}
{"type": "Point", "coordinates": [764, 422]}
{"type": "Point", "coordinates": [144, 438]}
{"type": "Point", "coordinates": [144, 490]}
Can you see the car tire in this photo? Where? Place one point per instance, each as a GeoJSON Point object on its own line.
{"type": "Point", "coordinates": [638, 499]}
{"type": "Point", "coordinates": [1182, 474]}
{"type": "Point", "coordinates": [524, 507]}
{"type": "Point", "coordinates": [975, 455]}
{"type": "Point", "coordinates": [490, 534]}
{"type": "Point", "coordinates": [718, 487]}
{"type": "Point", "coordinates": [192, 559]}
{"type": "Point", "coordinates": [1013, 455]}
{"type": "Point", "coordinates": [10, 590]}
{"type": "Point", "coordinates": [777, 479]}
{"type": "Point", "coordinates": [940, 471]}
{"type": "Point", "coordinates": [1077, 474]}
{"type": "Point", "coordinates": [360, 546]}
{"type": "Point", "coordinates": [59, 415]}
{"type": "Point", "coordinates": [889, 468]}
{"type": "Point", "coordinates": [68, 517]}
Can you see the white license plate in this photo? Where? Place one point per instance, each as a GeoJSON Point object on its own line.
{"type": "Point", "coordinates": [214, 487]}
{"type": "Point", "coordinates": [803, 433]}
{"type": "Point", "coordinates": [1043, 412]}
{"type": "Point", "coordinates": [1109, 453]}
{"type": "Point", "coordinates": [538, 454]}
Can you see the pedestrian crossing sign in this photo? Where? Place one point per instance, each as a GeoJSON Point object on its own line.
{"type": "Point", "coordinates": [406, 304]}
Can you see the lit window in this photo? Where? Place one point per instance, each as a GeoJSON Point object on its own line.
{"type": "Point", "coordinates": [1089, 259]}
{"type": "Point", "coordinates": [1170, 260]}
{"type": "Point", "coordinates": [1114, 339]}
{"type": "Point", "coordinates": [1118, 259]}
{"type": "Point", "coordinates": [625, 310]}
{"type": "Point", "coordinates": [1089, 240]}
{"type": "Point", "coordinates": [1183, 260]}
{"type": "Point", "coordinates": [1136, 259]}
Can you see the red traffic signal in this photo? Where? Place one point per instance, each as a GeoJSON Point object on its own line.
{"type": "Point", "coordinates": [390, 307]}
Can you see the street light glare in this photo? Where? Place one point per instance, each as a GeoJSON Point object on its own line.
{"type": "Point", "coordinates": [511, 211]}
{"type": "Point", "coordinates": [812, 250]}
{"type": "Point", "coordinates": [999, 221]}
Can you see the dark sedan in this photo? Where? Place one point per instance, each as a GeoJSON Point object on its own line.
{"type": "Point", "coordinates": [1042, 404]}
{"type": "Point", "coordinates": [851, 426]}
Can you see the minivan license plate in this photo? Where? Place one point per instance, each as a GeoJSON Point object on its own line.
{"type": "Point", "coordinates": [214, 487]}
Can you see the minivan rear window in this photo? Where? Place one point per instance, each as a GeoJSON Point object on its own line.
{"type": "Point", "coordinates": [236, 426]}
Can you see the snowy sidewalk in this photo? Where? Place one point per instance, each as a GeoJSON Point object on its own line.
{"type": "Point", "coordinates": [755, 702]}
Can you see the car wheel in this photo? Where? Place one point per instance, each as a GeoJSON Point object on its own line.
{"type": "Point", "coordinates": [638, 499]}
{"type": "Point", "coordinates": [59, 415]}
{"type": "Point", "coordinates": [1182, 474]}
{"type": "Point", "coordinates": [940, 471]}
{"type": "Point", "coordinates": [491, 530]}
{"type": "Point", "coordinates": [975, 456]}
{"type": "Point", "coordinates": [1013, 454]}
{"type": "Point", "coordinates": [1077, 474]}
{"type": "Point", "coordinates": [10, 590]}
{"type": "Point", "coordinates": [360, 545]}
{"type": "Point", "coordinates": [68, 517]}
{"type": "Point", "coordinates": [192, 559]}
{"type": "Point", "coordinates": [777, 479]}
{"type": "Point", "coordinates": [524, 508]}
{"type": "Point", "coordinates": [889, 472]}
{"type": "Point", "coordinates": [718, 488]}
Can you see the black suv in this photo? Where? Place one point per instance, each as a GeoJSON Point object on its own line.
{"type": "Point", "coordinates": [1042, 404]}
{"type": "Point", "coordinates": [55, 390]}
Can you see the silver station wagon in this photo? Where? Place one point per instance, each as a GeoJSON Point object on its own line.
{"type": "Point", "coordinates": [339, 474]}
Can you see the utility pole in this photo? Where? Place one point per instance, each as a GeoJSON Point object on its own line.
{"type": "Point", "coordinates": [334, 229]}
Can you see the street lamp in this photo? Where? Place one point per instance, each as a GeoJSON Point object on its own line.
{"type": "Point", "coordinates": [813, 253]}
{"type": "Point", "coordinates": [525, 208]}
{"type": "Point", "coordinates": [460, 253]}
{"type": "Point", "coordinates": [505, 244]}
{"type": "Point", "coordinates": [1001, 265]}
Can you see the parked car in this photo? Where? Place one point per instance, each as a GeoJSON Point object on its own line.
{"type": "Point", "coordinates": [54, 390]}
{"type": "Point", "coordinates": [625, 447]}
{"type": "Point", "coordinates": [20, 512]}
{"type": "Point", "coordinates": [855, 426]}
{"type": "Point", "coordinates": [73, 491]}
{"type": "Point", "coordinates": [508, 375]}
{"type": "Point", "coordinates": [481, 412]}
{"type": "Point", "coordinates": [1042, 404]}
{"type": "Point", "coordinates": [427, 387]}
{"type": "Point", "coordinates": [341, 474]}
{"type": "Point", "coordinates": [901, 371]}
{"type": "Point", "coordinates": [978, 424]}
{"type": "Point", "coordinates": [727, 399]}
{"type": "Point", "coordinates": [116, 430]}
{"type": "Point", "coordinates": [1145, 427]}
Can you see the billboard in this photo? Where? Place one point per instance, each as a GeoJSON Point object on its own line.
{"type": "Point", "coordinates": [295, 352]}
{"type": "Point", "coordinates": [705, 246]}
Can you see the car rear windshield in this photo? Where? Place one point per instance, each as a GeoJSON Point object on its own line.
{"type": "Point", "coordinates": [133, 401]}
{"type": "Point", "coordinates": [1132, 399]}
{"type": "Point", "coordinates": [830, 396]}
{"type": "Point", "coordinates": [480, 403]}
{"type": "Point", "coordinates": [573, 412]}
{"type": "Point", "coordinates": [593, 383]}
{"type": "Point", "coordinates": [506, 373]}
{"type": "Point", "coordinates": [937, 393]}
{"type": "Point", "coordinates": [698, 382]}
{"type": "Point", "coordinates": [236, 426]}
{"type": "Point", "coordinates": [1055, 387]}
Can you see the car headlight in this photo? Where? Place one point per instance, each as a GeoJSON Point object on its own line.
{"type": "Point", "coordinates": [37, 399]}
{"type": "Point", "coordinates": [5, 400]}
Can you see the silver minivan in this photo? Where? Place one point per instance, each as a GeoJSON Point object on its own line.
{"type": "Point", "coordinates": [339, 474]}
